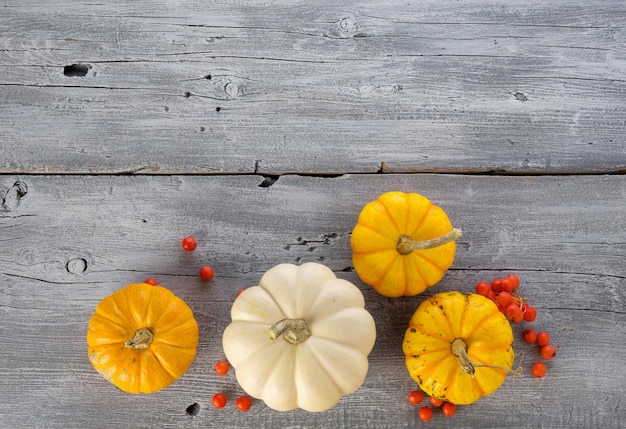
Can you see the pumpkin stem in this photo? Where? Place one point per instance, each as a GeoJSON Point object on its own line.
{"type": "Point", "coordinates": [294, 331]}
{"type": "Point", "coordinates": [141, 340]}
{"type": "Point", "coordinates": [406, 245]}
{"type": "Point", "coordinates": [459, 350]}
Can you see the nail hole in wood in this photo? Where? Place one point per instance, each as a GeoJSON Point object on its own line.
{"type": "Point", "coordinates": [193, 409]}
{"type": "Point", "coordinates": [76, 70]}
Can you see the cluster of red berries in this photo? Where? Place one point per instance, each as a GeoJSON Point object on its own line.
{"type": "Point", "coordinates": [243, 403]}
{"type": "Point", "coordinates": [504, 293]}
{"type": "Point", "coordinates": [426, 412]}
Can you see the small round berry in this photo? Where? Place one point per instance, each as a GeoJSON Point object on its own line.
{"type": "Point", "coordinates": [515, 280]}
{"type": "Point", "coordinates": [436, 402]}
{"type": "Point", "coordinates": [243, 403]}
{"type": "Point", "coordinates": [543, 339]}
{"type": "Point", "coordinates": [415, 397]}
{"type": "Point", "coordinates": [530, 314]}
{"type": "Point", "coordinates": [206, 273]}
{"type": "Point", "coordinates": [219, 400]}
{"type": "Point", "coordinates": [513, 311]}
{"type": "Point", "coordinates": [548, 352]}
{"type": "Point", "coordinates": [504, 299]}
{"type": "Point", "coordinates": [496, 285]}
{"type": "Point", "coordinates": [530, 336]}
{"type": "Point", "coordinates": [483, 288]}
{"type": "Point", "coordinates": [539, 369]}
{"type": "Point", "coordinates": [151, 281]}
{"type": "Point", "coordinates": [506, 285]}
{"type": "Point", "coordinates": [222, 367]}
{"type": "Point", "coordinates": [426, 413]}
{"type": "Point", "coordinates": [189, 243]}
{"type": "Point", "coordinates": [448, 409]}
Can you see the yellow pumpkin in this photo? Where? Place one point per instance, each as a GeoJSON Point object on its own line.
{"type": "Point", "coordinates": [458, 347]}
{"type": "Point", "coordinates": [402, 244]}
{"type": "Point", "coordinates": [142, 338]}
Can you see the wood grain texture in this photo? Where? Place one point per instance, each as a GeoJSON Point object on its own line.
{"type": "Point", "coordinates": [68, 241]}
{"type": "Point", "coordinates": [326, 87]}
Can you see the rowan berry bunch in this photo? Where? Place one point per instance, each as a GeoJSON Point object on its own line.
{"type": "Point", "coordinates": [504, 292]}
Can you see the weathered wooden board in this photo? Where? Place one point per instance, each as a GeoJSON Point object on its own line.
{"type": "Point", "coordinates": [324, 87]}
{"type": "Point", "coordinates": [71, 240]}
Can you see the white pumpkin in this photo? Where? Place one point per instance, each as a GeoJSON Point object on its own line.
{"type": "Point", "coordinates": [326, 337]}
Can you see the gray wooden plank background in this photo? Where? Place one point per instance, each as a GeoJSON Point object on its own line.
{"type": "Point", "coordinates": [293, 86]}
{"type": "Point", "coordinates": [125, 229]}
{"type": "Point", "coordinates": [125, 126]}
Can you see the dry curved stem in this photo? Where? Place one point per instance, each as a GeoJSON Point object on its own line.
{"type": "Point", "coordinates": [459, 350]}
{"type": "Point", "coordinates": [407, 245]}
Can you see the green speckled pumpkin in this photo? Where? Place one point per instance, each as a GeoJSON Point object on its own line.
{"type": "Point", "coordinates": [458, 347]}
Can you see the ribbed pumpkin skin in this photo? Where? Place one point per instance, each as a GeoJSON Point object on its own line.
{"type": "Point", "coordinates": [314, 374]}
{"type": "Point", "coordinates": [436, 323]}
{"type": "Point", "coordinates": [375, 237]}
{"type": "Point", "coordinates": [116, 320]}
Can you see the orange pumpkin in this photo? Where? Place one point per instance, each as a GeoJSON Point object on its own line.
{"type": "Point", "coordinates": [458, 347]}
{"type": "Point", "coordinates": [402, 244]}
{"type": "Point", "coordinates": [142, 338]}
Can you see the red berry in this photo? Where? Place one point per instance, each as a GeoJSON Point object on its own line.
{"type": "Point", "coordinates": [448, 409]}
{"type": "Point", "coordinates": [492, 295]}
{"type": "Point", "coordinates": [483, 288]}
{"type": "Point", "coordinates": [206, 273]}
{"type": "Point", "coordinates": [415, 397]}
{"type": "Point", "coordinates": [243, 403]}
{"type": "Point", "coordinates": [543, 339]}
{"type": "Point", "coordinates": [219, 400]}
{"type": "Point", "coordinates": [222, 367]}
{"type": "Point", "coordinates": [530, 336]}
{"type": "Point", "coordinates": [504, 299]}
{"type": "Point", "coordinates": [189, 243]}
{"type": "Point", "coordinates": [513, 312]}
{"type": "Point", "coordinates": [426, 413]}
{"type": "Point", "coordinates": [506, 285]}
{"type": "Point", "coordinates": [530, 314]}
{"type": "Point", "coordinates": [436, 402]}
{"type": "Point", "coordinates": [515, 280]}
{"type": "Point", "coordinates": [539, 369]}
{"type": "Point", "coordinates": [548, 352]}
{"type": "Point", "coordinates": [151, 281]}
{"type": "Point", "coordinates": [496, 285]}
